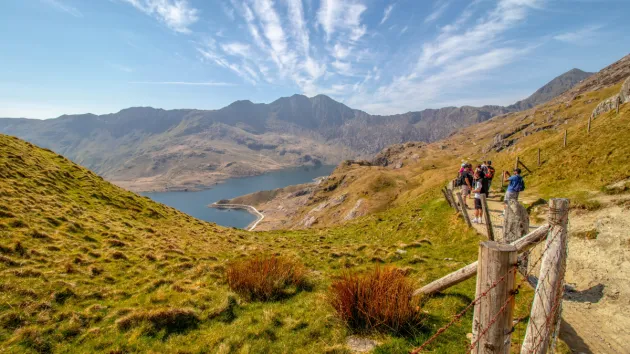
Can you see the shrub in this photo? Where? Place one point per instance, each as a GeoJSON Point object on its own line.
{"type": "Point", "coordinates": [266, 278]}
{"type": "Point", "coordinates": [379, 300]}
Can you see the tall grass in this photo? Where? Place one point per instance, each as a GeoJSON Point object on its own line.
{"type": "Point", "coordinates": [379, 300]}
{"type": "Point", "coordinates": [266, 278]}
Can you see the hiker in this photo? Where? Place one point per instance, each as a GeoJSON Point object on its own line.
{"type": "Point", "coordinates": [516, 184]}
{"type": "Point", "coordinates": [478, 191]}
{"type": "Point", "coordinates": [465, 181]}
{"type": "Point", "coordinates": [489, 175]}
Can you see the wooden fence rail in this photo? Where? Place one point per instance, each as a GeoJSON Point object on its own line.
{"type": "Point", "coordinates": [523, 244]}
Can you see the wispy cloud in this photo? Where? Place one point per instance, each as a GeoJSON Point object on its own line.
{"type": "Point", "coordinates": [579, 36]}
{"type": "Point", "coordinates": [63, 7]}
{"type": "Point", "coordinates": [387, 13]}
{"type": "Point", "coordinates": [185, 83]}
{"type": "Point", "coordinates": [178, 15]}
{"type": "Point", "coordinates": [456, 57]}
{"type": "Point", "coordinates": [438, 11]}
{"type": "Point", "coordinates": [342, 15]}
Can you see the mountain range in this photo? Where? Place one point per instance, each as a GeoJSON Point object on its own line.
{"type": "Point", "coordinates": [144, 148]}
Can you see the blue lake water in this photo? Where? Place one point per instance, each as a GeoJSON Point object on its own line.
{"type": "Point", "coordinates": [196, 203]}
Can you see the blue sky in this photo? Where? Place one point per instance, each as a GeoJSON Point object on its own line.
{"type": "Point", "coordinates": [100, 56]}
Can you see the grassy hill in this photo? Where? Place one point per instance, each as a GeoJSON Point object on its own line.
{"type": "Point", "coordinates": [88, 267]}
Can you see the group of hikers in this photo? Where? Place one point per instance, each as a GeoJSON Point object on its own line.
{"type": "Point", "coordinates": [479, 180]}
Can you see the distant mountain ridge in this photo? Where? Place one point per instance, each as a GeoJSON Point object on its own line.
{"type": "Point", "coordinates": [552, 89]}
{"type": "Point", "coordinates": [144, 148]}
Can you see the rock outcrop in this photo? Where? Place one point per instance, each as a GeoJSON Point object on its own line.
{"type": "Point", "coordinates": [614, 101]}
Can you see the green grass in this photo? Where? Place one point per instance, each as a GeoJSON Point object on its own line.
{"type": "Point", "coordinates": [88, 267]}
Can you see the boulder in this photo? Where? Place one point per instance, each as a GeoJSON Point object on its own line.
{"type": "Point", "coordinates": [515, 222]}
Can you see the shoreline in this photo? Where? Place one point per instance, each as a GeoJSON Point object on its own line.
{"type": "Point", "coordinates": [131, 185]}
{"type": "Point", "coordinates": [250, 209]}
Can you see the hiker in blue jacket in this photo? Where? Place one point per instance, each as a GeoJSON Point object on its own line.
{"type": "Point", "coordinates": [516, 184]}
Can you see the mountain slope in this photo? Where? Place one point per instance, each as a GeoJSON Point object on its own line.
{"type": "Point", "coordinates": [552, 89]}
{"type": "Point", "coordinates": [144, 148]}
{"type": "Point", "coordinates": [86, 266]}
{"type": "Point", "coordinates": [362, 187]}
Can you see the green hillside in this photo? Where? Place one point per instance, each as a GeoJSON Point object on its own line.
{"type": "Point", "coordinates": [88, 267]}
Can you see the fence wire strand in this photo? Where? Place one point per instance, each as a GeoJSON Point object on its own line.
{"type": "Point", "coordinates": [552, 318]}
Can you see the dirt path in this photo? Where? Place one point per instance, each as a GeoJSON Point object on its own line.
{"type": "Point", "coordinates": [596, 312]}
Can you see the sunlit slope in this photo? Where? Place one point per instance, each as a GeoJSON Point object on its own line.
{"type": "Point", "coordinates": [88, 267]}
{"type": "Point", "coordinates": [590, 161]}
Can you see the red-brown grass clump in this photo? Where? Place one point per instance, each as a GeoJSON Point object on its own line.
{"type": "Point", "coordinates": [378, 300]}
{"type": "Point", "coordinates": [266, 278]}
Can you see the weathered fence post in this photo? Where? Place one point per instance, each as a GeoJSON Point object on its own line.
{"type": "Point", "coordinates": [565, 138]}
{"type": "Point", "coordinates": [588, 128]}
{"type": "Point", "coordinates": [538, 157]}
{"type": "Point", "coordinates": [517, 161]}
{"type": "Point", "coordinates": [486, 216]}
{"type": "Point", "coordinates": [492, 318]}
{"type": "Point", "coordinates": [547, 304]}
{"type": "Point", "coordinates": [445, 193]}
{"type": "Point", "coordinates": [463, 209]}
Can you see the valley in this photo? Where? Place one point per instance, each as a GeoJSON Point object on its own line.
{"type": "Point", "coordinates": [87, 266]}
{"type": "Point", "coordinates": [144, 149]}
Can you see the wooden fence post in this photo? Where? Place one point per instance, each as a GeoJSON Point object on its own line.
{"type": "Point", "coordinates": [547, 304]}
{"type": "Point", "coordinates": [538, 157]}
{"type": "Point", "coordinates": [492, 318]}
{"type": "Point", "coordinates": [517, 161]}
{"type": "Point", "coordinates": [463, 209]}
{"type": "Point", "coordinates": [486, 216]}
{"type": "Point", "coordinates": [588, 128]}
{"type": "Point", "coordinates": [502, 180]}
{"type": "Point", "coordinates": [565, 138]}
{"type": "Point", "coordinates": [445, 193]}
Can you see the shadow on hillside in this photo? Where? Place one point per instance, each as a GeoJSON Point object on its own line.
{"type": "Point", "coordinates": [572, 339]}
{"type": "Point", "coordinates": [592, 294]}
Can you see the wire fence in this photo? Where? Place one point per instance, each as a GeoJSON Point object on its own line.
{"type": "Point", "coordinates": [546, 308]}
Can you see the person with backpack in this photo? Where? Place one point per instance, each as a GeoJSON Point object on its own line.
{"type": "Point", "coordinates": [516, 184]}
{"type": "Point", "coordinates": [478, 191]}
{"type": "Point", "coordinates": [465, 181]}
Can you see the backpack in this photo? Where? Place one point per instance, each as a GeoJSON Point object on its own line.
{"type": "Point", "coordinates": [520, 185]}
{"type": "Point", "coordinates": [460, 180]}
{"type": "Point", "coordinates": [489, 172]}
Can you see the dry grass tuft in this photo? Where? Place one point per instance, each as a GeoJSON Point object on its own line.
{"type": "Point", "coordinates": [266, 278]}
{"type": "Point", "coordinates": [379, 300]}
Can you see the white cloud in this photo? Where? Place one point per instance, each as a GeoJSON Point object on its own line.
{"type": "Point", "coordinates": [59, 5]}
{"type": "Point", "coordinates": [237, 48]}
{"type": "Point", "coordinates": [579, 36]}
{"type": "Point", "coordinates": [178, 15]}
{"type": "Point", "coordinates": [345, 16]}
{"type": "Point", "coordinates": [340, 51]}
{"type": "Point", "coordinates": [438, 10]}
{"type": "Point", "coordinates": [274, 34]}
{"type": "Point", "coordinates": [208, 54]}
{"type": "Point", "coordinates": [404, 29]}
{"type": "Point", "coordinates": [300, 32]}
{"type": "Point", "coordinates": [184, 83]}
{"type": "Point", "coordinates": [387, 13]}
{"type": "Point", "coordinates": [456, 57]}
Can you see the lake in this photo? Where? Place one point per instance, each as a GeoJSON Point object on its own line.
{"type": "Point", "coordinates": [196, 203]}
